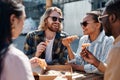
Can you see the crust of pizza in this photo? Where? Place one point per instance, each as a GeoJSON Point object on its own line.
{"type": "Point", "coordinates": [42, 64]}
{"type": "Point", "coordinates": [47, 42]}
{"type": "Point", "coordinates": [85, 45]}
{"type": "Point", "coordinates": [72, 38]}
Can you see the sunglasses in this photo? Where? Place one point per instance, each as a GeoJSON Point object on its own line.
{"type": "Point", "coordinates": [56, 18]}
{"type": "Point", "coordinates": [100, 18]}
{"type": "Point", "coordinates": [85, 23]}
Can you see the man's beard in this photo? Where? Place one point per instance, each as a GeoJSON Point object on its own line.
{"type": "Point", "coordinates": [53, 30]}
{"type": "Point", "coordinates": [108, 28]}
{"type": "Point", "coordinates": [108, 31]}
{"type": "Point", "coordinates": [108, 34]}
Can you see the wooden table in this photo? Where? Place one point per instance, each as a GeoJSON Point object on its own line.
{"type": "Point", "coordinates": [77, 75]}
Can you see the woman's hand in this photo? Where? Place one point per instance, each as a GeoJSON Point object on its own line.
{"type": "Point", "coordinates": [66, 41]}
{"type": "Point", "coordinates": [89, 57]}
{"type": "Point", "coordinates": [35, 61]}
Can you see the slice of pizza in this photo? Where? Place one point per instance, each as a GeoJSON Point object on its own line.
{"type": "Point", "coordinates": [73, 37]}
{"type": "Point", "coordinates": [42, 63]}
{"type": "Point", "coordinates": [69, 39]}
{"type": "Point", "coordinates": [85, 45]}
{"type": "Point", "coordinates": [47, 42]}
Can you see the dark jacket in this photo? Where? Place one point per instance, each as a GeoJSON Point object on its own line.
{"type": "Point", "coordinates": [59, 52]}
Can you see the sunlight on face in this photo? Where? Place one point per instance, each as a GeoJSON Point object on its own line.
{"type": "Point", "coordinates": [52, 25]}
{"type": "Point", "coordinates": [88, 25]}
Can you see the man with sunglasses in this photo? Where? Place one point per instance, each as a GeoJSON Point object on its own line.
{"type": "Point", "coordinates": [46, 42]}
{"type": "Point", "coordinates": [111, 21]}
{"type": "Point", "coordinates": [99, 43]}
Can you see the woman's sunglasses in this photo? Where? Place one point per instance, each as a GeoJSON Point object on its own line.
{"type": "Point", "coordinates": [85, 23]}
{"type": "Point", "coordinates": [56, 18]}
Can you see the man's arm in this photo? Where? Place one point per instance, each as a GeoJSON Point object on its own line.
{"type": "Point", "coordinates": [29, 48]}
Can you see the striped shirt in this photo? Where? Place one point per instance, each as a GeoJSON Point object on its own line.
{"type": "Point", "coordinates": [99, 48]}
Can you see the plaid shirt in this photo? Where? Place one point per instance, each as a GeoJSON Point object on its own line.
{"type": "Point", "coordinates": [59, 52]}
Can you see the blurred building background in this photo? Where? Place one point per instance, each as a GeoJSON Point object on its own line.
{"type": "Point", "coordinates": [73, 12]}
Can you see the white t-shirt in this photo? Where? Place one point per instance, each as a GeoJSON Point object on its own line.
{"type": "Point", "coordinates": [48, 55]}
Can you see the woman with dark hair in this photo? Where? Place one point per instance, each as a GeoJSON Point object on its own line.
{"type": "Point", "coordinates": [14, 65]}
{"type": "Point", "coordinates": [111, 21]}
{"type": "Point", "coordinates": [99, 46]}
